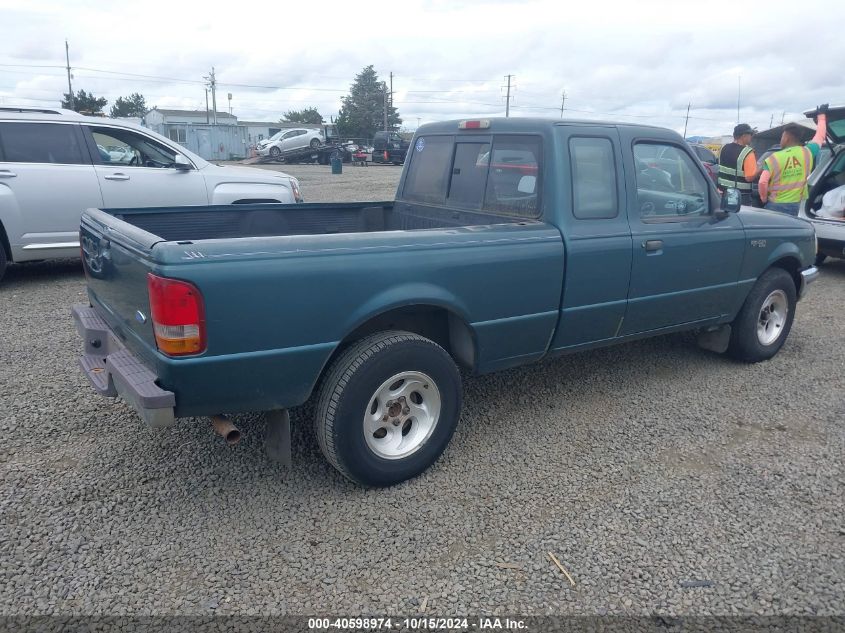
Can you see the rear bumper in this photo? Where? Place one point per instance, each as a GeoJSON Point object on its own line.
{"type": "Point", "coordinates": [114, 371]}
{"type": "Point", "coordinates": [808, 276]}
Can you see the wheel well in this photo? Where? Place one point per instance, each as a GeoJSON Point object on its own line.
{"type": "Point", "coordinates": [4, 243]}
{"type": "Point", "coordinates": [438, 324]}
{"type": "Point", "coordinates": [793, 267]}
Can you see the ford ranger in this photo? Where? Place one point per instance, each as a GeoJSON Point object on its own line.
{"type": "Point", "coordinates": [509, 241]}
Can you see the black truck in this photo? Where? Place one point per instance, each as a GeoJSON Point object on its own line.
{"type": "Point", "coordinates": [390, 147]}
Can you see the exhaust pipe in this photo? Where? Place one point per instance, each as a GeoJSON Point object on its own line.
{"type": "Point", "coordinates": [224, 428]}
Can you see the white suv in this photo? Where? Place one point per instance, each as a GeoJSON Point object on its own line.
{"type": "Point", "coordinates": [826, 184]}
{"type": "Point", "coordinates": [56, 163]}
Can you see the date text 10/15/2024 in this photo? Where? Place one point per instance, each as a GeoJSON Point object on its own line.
{"type": "Point", "coordinates": [417, 624]}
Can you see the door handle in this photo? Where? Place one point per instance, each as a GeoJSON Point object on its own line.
{"type": "Point", "coordinates": [651, 246]}
{"type": "Point", "coordinates": [116, 176]}
{"type": "Point", "coordinates": [5, 173]}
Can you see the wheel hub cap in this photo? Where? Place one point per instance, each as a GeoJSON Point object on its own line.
{"type": "Point", "coordinates": [772, 319]}
{"type": "Point", "coordinates": [401, 415]}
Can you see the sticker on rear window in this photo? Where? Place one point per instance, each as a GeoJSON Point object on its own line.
{"type": "Point", "coordinates": [420, 144]}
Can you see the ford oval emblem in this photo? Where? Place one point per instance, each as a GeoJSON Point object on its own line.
{"type": "Point", "coordinates": [140, 317]}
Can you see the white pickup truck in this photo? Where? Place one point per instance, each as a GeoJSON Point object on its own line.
{"type": "Point", "coordinates": [56, 163]}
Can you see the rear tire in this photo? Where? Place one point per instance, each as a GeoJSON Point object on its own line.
{"type": "Point", "coordinates": [4, 261]}
{"type": "Point", "coordinates": [763, 324]}
{"type": "Point", "coordinates": [388, 408]}
{"type": "Point", "coordinates": [315, 143]}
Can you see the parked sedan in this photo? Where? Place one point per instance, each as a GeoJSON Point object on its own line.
{"type": "Point", "coordinates": [708, 159]}
{"type": "Point", "coordinates": [286, 140]}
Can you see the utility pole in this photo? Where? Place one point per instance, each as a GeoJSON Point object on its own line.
{"type": "Point", "coordinates": [782, 117]}
{"type": "Point", "coordinates": [562, 102]}
{"type": "Point", "coordinates": [69, 87]}
{"type": "Point", "coordinates": [384, 84]}
{"type": "Point", "coordinates": [230, 103]}
{"type": "Point", "coordinates": [508, 97]}
{"type": "Point", "coordinates": [687, 120]}
{"type": "Point", "coordinates": [206, 107]}
{"type": "Point", "coordinates": [391, 88]}
{"type": "Point", "coordinates": [212, 83]}
{"type": "Point", "coordinates": [771, 120]}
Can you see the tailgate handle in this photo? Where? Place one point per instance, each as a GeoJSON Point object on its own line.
{"type": "Point", "coordinates": [652, 245]}
{"type": "Point", "coordinates": [116, 176]}
{"type": "Point", "coordinates": [5, 173]}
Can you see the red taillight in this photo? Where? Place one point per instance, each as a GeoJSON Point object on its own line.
{"type": "Point", "coordinates": [386, 156]}
{"type": "Point", "coordinates": [178, 316]}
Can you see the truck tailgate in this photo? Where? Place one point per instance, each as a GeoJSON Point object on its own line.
{"type": "Point", "coordinates": [116, 259]}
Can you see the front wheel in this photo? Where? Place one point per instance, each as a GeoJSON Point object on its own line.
{"type": "Point", "coordinates": [4, 262]}
{"type": "Point", "coordinates": [388, 408]}
{"type": "Point", "coordinates": [764, 322]}
{"type": "Point", "coordinates": [275, 152]}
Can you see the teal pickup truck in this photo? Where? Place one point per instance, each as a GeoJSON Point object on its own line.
{"type": "Point", "coordinates": [510, 241]}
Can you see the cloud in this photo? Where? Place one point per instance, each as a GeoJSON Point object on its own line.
{"type": "Point", "coordinates": [642, 61]}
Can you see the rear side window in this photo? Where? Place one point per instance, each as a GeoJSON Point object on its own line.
{"type": "Point", "coordinates": [428, 172]}
{"type": "Point", "coordinates": [593, 178]}
{"type": "Point", "coordinates": [469, 174]}
{"type": "Point", "coordinates": [41, 143]}
{"type": "Point", "coordinates": [513, 184]}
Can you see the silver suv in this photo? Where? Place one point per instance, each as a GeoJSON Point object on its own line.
{"type": "Point", "coordinates": [56, 163]}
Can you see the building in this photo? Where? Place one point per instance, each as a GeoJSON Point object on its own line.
{"type": "Point", "coordinates": [196, 130]}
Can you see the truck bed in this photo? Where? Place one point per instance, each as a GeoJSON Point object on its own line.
{"type": "Point", "coordinates": [264, 220]}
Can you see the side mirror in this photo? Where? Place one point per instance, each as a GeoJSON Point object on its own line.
{"type": "Point", "coordinates": [181, 163]}
{"type": "Point", "coordinates": [731, 200]}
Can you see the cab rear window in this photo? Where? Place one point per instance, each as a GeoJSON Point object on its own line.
{"type": "Point", "coordinates": [428, 173]}
{"type": "Point", "coordinates": [502, 177]}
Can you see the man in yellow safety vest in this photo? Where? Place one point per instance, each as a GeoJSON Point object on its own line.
{"type": "Point", "coordinates": [783, 182]}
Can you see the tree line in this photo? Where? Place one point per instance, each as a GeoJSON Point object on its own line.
{"type": "Point", "coordinates": [361, 113]}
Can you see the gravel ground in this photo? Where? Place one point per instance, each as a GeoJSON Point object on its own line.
{"type": "Point", "coordinates": [641, 467]}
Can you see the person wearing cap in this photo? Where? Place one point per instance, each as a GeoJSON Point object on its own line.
{"type": "Point", "coordinates": [738, 164]}
{"type": "Point", "coordinates": [783, 181]}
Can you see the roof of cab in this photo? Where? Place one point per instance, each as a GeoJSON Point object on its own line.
{"type": "Point", "coordinates": [522, 124]}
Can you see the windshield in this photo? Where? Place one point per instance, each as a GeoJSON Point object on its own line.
{"type": "Point", "coordinates": [277, 136]}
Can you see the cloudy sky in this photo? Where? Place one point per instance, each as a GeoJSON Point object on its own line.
{"type": "Point", "coordinates": [638, 61]}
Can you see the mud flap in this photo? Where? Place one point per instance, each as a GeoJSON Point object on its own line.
{"type": "Point", "coordinates": [715, 340]}
{"type": "Point", "coordinates": [277, 439]}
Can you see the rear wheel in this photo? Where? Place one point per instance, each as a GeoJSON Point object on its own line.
{"type": "Point", "coordinates": [388, 407]}
{"type": "Point", "coordinates": [763, 324]}
{"type": "Point", "coordinates": [4, 262]}
{"type": "Point", "coordinates": [315, 143]}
